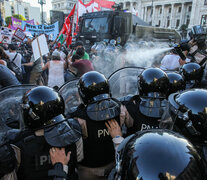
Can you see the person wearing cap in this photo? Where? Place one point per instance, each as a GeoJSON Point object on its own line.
{"type": "Point", "coordinates": [13, 55]}
{"type": "Point", "coordinates": [46, 131]}
{"type": "Point", "coordinates": [79, 44]}
{"type": "Point", "coordinates": [56, 70]}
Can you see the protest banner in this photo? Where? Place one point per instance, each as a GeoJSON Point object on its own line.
{"type": "Point", "coordinates": [51, 30]}
{"type": "Point", "coordinates": [19, 34]}
{"type": "Point", "coordinates": [92, 6]}
{"type": "Point", "coordinates": [17, 23]}
{"type": "Point", "coordinates": [39, 47]}
{"type": "Point", "coordinates": [6, 35]}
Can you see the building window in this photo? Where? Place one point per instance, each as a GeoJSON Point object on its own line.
{"type": "Point", "coordinates": [177, 23]}
{"type": "Point", "coordinates": [160, 10]}
{"type": "Point", "coordinates": [58, 5]}
{"type": "Point", "coordinates": [188, 22]}
{"type": "Point", "coordinates": [204, 20]}
{"type": "Point", "coordinates": [62, 4]}
{"type": "Point", "coordinates": [55, 6]}
{"type": "Point", "coordinates": [189, 8]}
{"type": "Point", "coordinates": [159, 22]}
{"type": "Point", "coordinates": [205, 2]}
{"type": "Point", "coordinates": [12, 10]}
{"type": "Point", "coordinates": [179, 9]}
{"type": "Point", "coordinates": [168, 23]}
{"type": "Point", "coordinates": [169, 10]}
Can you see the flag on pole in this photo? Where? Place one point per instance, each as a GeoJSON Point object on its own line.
{"type": "Point", "coordinates": [92, 6]}
{"type": "Point", "coordinates": [67, 27]}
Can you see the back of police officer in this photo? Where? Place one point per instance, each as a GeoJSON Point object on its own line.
{"type": "Point", "coordinates": [97, 108]}
{"type": "Point", "coordinates": [43, 110]}
{"type": "Point", "coordinates": [157, 154]}
{"type": "Point", "coordinates": [147, 108]}
{"type": "Point", "coordinates": [189, 114]}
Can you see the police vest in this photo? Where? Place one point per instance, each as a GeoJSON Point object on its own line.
{"type": "Point", "coordinates": [141, 122]}
{"type": "Point", "coordinates": [98, 146]}
{"type": "Point", "coordinates": [35, 159]}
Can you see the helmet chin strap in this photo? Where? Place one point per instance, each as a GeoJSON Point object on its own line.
{"type": "Point", "coordinates": [33, 115]}
{"type": "Point", "coordinates": [189, 124]}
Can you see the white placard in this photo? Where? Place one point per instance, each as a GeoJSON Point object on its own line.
{"type": "Point", "coordinates": [39, 47]}
{"type": "Point", "coordinates": [6, 35]}
{"type": "Point", "coordinates": [19, 34]}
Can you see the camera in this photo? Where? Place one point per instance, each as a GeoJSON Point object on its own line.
{"type": "Point", "coordinates": [198, 33]}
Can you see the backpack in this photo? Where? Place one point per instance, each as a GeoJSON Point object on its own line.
{"type": "Point", "coordinates": [11, 65]}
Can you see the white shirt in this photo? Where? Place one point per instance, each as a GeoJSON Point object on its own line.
{"type": "Point", "coordinates": [18, 59]}
{"type": "Point", "coordinates": [171, 62]}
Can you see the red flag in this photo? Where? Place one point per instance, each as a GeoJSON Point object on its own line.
{"type": "Point", "coordinates": [68, 23]}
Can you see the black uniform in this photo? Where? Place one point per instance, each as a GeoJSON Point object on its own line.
{"type": "Point", "coordinates": [98, 146]}
{"type": "Point", "coordinates": [157, 154]}
{"type": "Point", "coordinates": [189, 115]}
{"type": "Point", "coordinates": [43, 110]}
{"type": "Point", "coordinates": [97, 109]}
{"type": "Point", "coordinates": [147, 108]}
{"type": "Point", "coordinates": [35, 160]}
{"type": "Point", "coordinates": [6, 77]}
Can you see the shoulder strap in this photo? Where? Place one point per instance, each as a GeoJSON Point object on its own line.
{"type": "Point", "coordinates": [14, 57]}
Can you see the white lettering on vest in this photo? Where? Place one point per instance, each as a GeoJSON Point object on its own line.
{"type": "Point", "coordinates": [43, 159]}
{"type": "Point", "coordinates": [146, 126]}
{"type": "Point", "coordinates": [103, 132]}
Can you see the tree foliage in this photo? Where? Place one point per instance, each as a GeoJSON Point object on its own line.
{"type": "Point", "coordinates": [17, 16]}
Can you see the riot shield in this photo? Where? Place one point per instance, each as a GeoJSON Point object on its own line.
{"type": "Point", "coordinates": [69, 92]}
{"type": "Point", "coordinates": [124, 81]}
{"type": "Point", "coordinates": [10, 105]}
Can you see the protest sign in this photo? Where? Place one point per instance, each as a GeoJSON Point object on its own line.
{"type": "Point", "coordinates": [52, 30]}
{"type": "Point", "coordinates": [39, 47]}
{"type": "Point", "coordinates": [19, 34]}
{"type": "Point", "coordinates": [6, 35]}
{"type": "Point", "coordinates": [17, 23]}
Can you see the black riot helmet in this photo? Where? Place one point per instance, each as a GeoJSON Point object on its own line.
{"type": "Point", "coordinates": [42, 106]}
{"type": "Point", "coordinates": [153, 81]}
{"type": "Point", "coordinates": [189, 113]}
{"type": "Point", "coordinates": [158, 155]}
{"type": "Point", "coordinates": [93, 86]}
{"type": "Point", "coordinates": [191, 71]}
{"type": "Point", "coordinates": [176, 82]}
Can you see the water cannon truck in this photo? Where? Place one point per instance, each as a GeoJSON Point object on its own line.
{"type": "Point", "coordinates": [120, 26]}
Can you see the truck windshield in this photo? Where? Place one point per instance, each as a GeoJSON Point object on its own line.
{"type": "Point", "coordinates": [98, 25]}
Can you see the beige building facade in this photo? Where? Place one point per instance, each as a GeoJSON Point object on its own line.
{"type": "Point", "coordinates": [170, 14]}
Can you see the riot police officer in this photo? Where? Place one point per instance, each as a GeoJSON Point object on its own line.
{"type": "Point", "coordinates": [43, 111]}
{"type": "Point", "coordinates": [146, 109]}
{"type": "Point", "coordinates": [192, 73]}
{"type": "Point", "coordinates": [97, 108]}
{"type": "Point", "coordinates": [176, 82]}
{"type": "Point", "coordinates": [7, 78]}
{"type": "Point", "coordinates": [158, 155]}
{"type": "Point", "coordinates": [189, 114]}
{"type": "Point", "coordinates": [198, 45]}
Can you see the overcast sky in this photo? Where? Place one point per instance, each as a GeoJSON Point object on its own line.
{"type": "Point", "coordinates": [47, 7]}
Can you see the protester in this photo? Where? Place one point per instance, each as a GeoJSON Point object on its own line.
{"type": "Point", "coordinates": [78, 65]}
{"type": "Point", "coordinates": [173, 61]}
{"type": "Point", "coordinates": [35, 74]}
{"type": "Point", "coordinates": [56, 70]}
{"type": "Point", "coordinates": [13, 55]}
{"type": "Point", "coordinates": [79, 44]}
{"type": "Point", "coordinates": [3, 57]}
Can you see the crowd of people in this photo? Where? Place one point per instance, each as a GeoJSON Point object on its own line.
{"type": "Point", "coordinates": [158, 133]}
